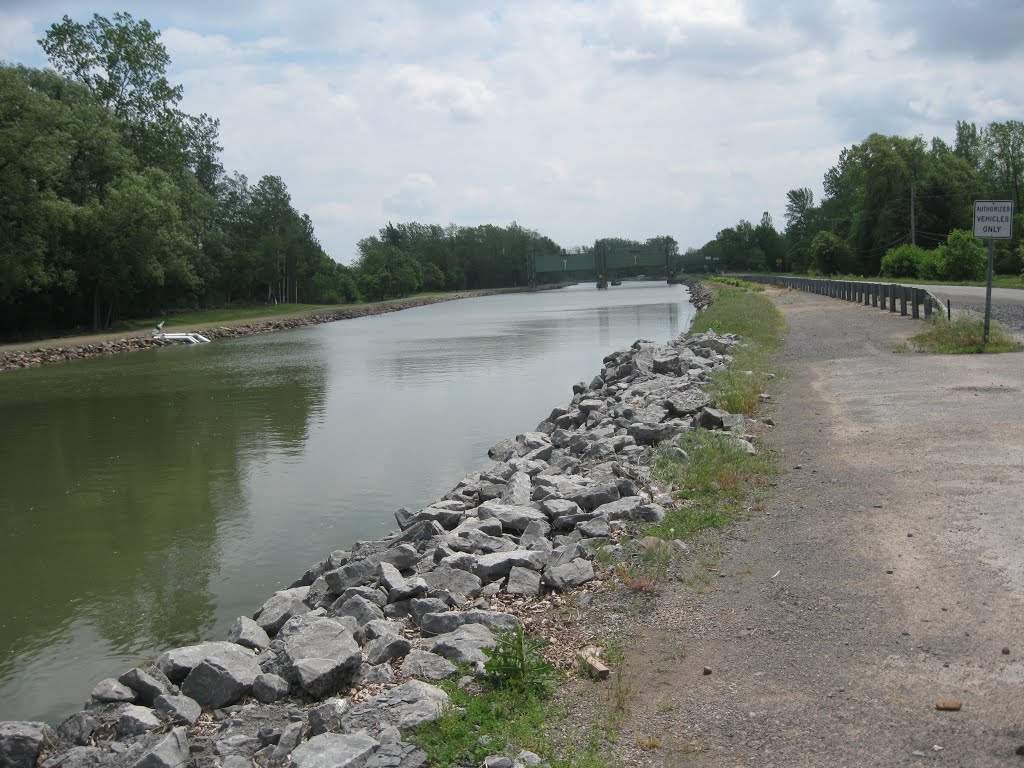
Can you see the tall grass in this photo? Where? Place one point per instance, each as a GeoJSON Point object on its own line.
{"type": "Point", "coordinates": [712, 484]}
{"type": "Point", "coordinates": [964, 334]}
{"type": "Point", "coordinates": [760, 325]}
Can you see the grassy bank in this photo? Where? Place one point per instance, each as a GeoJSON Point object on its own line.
{"type": "Point", "coordinates": [714, 480]}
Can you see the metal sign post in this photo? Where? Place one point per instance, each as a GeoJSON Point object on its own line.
{"type": "Point", "coordinates": [993, 219]}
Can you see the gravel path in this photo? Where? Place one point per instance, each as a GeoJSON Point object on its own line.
{"type": "Point", "coordinates": [885, 573]}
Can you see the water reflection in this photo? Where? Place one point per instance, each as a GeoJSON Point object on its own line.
{"type": "Point", "coordinates": [151, 498]}
{"type": "Point", "coordinates": [117, 477]}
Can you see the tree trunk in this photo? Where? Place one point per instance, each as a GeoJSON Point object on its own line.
{"type": "Point", "coordinates": [96, 308]}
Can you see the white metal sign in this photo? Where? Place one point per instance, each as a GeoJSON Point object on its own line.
{"type": "Point", "coordinates": [993, 219]}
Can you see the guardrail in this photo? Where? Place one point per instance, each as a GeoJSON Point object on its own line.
{"type": "Point", "coordinates": [885, 296]}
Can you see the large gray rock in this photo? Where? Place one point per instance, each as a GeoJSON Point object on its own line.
{"type": "Point", "coordinates": [408, 589]}
{"type": "Point", "coordinates": [334, 750]}
{"type": "Point", "coordinates": [22, 741]}
{"type": "Point", "coordinates": [455, 580]}
{"type": "Point", "coordinates": [387, 648]}
{"type": "Point", "coordinates": [78, 728]}
{"type": "Point", "coordinates": [110, 691]}
{"type": "Point", "coordinates": [428, 666]}
{"type": "Point", "coordinates": [136, 720]}
{"type": "Point", "coordinates": [402, 556]}
{"type": "Point", "coordinates": [572, 574]}
{"type": "Point", "coordinates": [624, 508]}
{"type": "Point", "coordinates": [248, 633]}
{"type": "Point", "coordinates": [517, 490]}
{"type": "Point", "coordinates": [463, 645]}
{"type": "Point", "coordinates": [288, 741]}
{"type": "Point", "coordinates": [594, 528]}
{"type": "Point", "coordinates": [178, 662]}
{"type": "Point", "coordinates": [327, 716]}
{"type": "Point", "coordinates": [146, 686]}
{"type": "Point", "coordinates": [359, 608]}
{"type": "Point", "coordinates": [358, 573]}
{"type": "Point", "coordinates": [498, 564]}
{"type": "Point", "coordinates": [443, 623]}
{"type": "Point", "coordinates": [652, 434]}
{"type": "Point", "coordinates": [589, 497]}
{"type": "Point", "coordinates": [268, 688]}
{"type": "Point", "coordinates": [711, 418]}
{"type": "Point", "coordinates": [169, 752]}
{"type": "Point", "coordinates": [373, 674]}
{"type": "Point", "coordinates": [523, 582]}
{"type": "Point", "coordinates": [322, 657]}
{"type": "Point", "coordinates": [513, 519]}
{"type": "Point", "coordinates": [421, 606]}
{"type": "Point", "coordinates": [685, 403]}
{"type": "Point", "coordinates": [477, 542]}
{"type": "Point", "coordinates": [410, 704]}
{"type": "Point", "coordinates": [215, 684]}
{"type": "Point", "coordinates": [280, 607]}
{"type": "Point", "coordinates": [177, 709]}
{"type": "Point", "coordinates": [446, 518]}
{"type": "Point", "coordinates": [78, 757]}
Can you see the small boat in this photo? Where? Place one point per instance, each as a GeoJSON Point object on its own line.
{"type": "Point", "coordinates": [616, 282]}
{"type": "Point", "coordinates": [188, 337]}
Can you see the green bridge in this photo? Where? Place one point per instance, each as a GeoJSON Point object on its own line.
{"type": "Point", "coordinates": [604, 263]}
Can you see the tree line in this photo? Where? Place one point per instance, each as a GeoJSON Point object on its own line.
{"type": "Point", "coordinates": [890, 194]}
{"type": "Point", "coordinates": [116, 204]}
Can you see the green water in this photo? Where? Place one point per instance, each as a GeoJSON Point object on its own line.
{"type": "Point", "coordinates": [150, 498]}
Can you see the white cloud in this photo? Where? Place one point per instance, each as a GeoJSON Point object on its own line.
{"type": "Point", "coordinates": [463, 98]}
{"type": "Point", "coordinates": [579, 119]}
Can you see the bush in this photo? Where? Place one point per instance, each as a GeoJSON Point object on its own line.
{"type": "Point", "coordinates": [963, 257]}
{"type": "Point", "coordinates": [903, 261]}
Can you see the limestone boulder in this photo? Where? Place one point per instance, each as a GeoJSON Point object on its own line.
{"type": "Point", "coordinates": [22, 741]}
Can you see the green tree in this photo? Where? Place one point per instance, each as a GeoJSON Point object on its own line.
{"type": "Point", "coordinates": [828, 253]}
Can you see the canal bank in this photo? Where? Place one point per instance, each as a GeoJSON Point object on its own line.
{"type": "Point", "coordinates": [152, 498]}
{"type": "Point", "coordinates": [530, 522]}
{"type": "Point", "coordinates": [27, 355]}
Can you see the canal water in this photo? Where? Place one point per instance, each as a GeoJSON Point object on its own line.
{"type": "Point", "coordinates": [148, 499]}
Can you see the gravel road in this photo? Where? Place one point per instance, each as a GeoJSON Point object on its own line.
{"type": "Point", "coordinates": [884, 573]}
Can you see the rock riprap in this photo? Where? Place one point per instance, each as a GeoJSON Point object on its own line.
{"type": "Point", "coordinates": [326, 670]}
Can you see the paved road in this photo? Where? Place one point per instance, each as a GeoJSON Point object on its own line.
{"type": "Point", "coordinates": [1007, 303]}
{"type": "Point", "coordinates": [886, 571]}
{"type": "Point", "coordinates": [969, 294]}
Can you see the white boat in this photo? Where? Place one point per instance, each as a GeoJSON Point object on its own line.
{"type": "Point", "coordinates": [188, 337]}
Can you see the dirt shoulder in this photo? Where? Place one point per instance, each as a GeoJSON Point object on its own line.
{"type": "Point", "coordinates": [884, 573]}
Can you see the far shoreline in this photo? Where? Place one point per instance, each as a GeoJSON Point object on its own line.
{"type": "Point", "coordinates": [52, 351]}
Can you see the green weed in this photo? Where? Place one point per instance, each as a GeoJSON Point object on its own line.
{"type": "Point", "coordinates": [963, 335]}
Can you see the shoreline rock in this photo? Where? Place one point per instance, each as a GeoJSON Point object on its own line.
{"type": "Point", "coordinates": [31, 358]}
{"type": "Point", "coordinates": [333, 666]}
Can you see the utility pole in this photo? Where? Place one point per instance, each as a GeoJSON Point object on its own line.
{"type": "Point", "coordinates": [913, 219]}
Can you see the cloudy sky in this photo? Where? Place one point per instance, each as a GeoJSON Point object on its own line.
{"type": "Point", "coordinates": [629, 118]}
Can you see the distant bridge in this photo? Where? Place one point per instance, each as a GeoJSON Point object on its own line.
{"type": "Point", "coordinates": [604, 262]}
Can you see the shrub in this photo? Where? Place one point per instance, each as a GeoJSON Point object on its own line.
{"type": "Point", "coordinates": [903, 261]}
{"type": "Point", "coordinates": [963, 257]}
{"type": "Point", "coordinates": [929, 266]}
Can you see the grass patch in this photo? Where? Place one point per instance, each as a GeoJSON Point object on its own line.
{"type": "Point", "coordinates": [737, 283]}
{"type": "Point", "coordinates": [759, 323]}
{"type": "Point", "coordinates": [963, 335]}
{"type": "Point", "coordinates": [226, 315]}
{"type": "Point", "coordinates": [712, 484]}
{"type": "Point", "coordinates": [646, 570]}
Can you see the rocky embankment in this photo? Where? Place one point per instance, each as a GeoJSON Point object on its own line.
{"type": "Point", "coordinates": [15, 359]}
{"type": "Point", "coordinates": [330, 671]}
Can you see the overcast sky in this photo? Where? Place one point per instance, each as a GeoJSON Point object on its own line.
{"type": "Point", "coordinates": [629, 118]}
